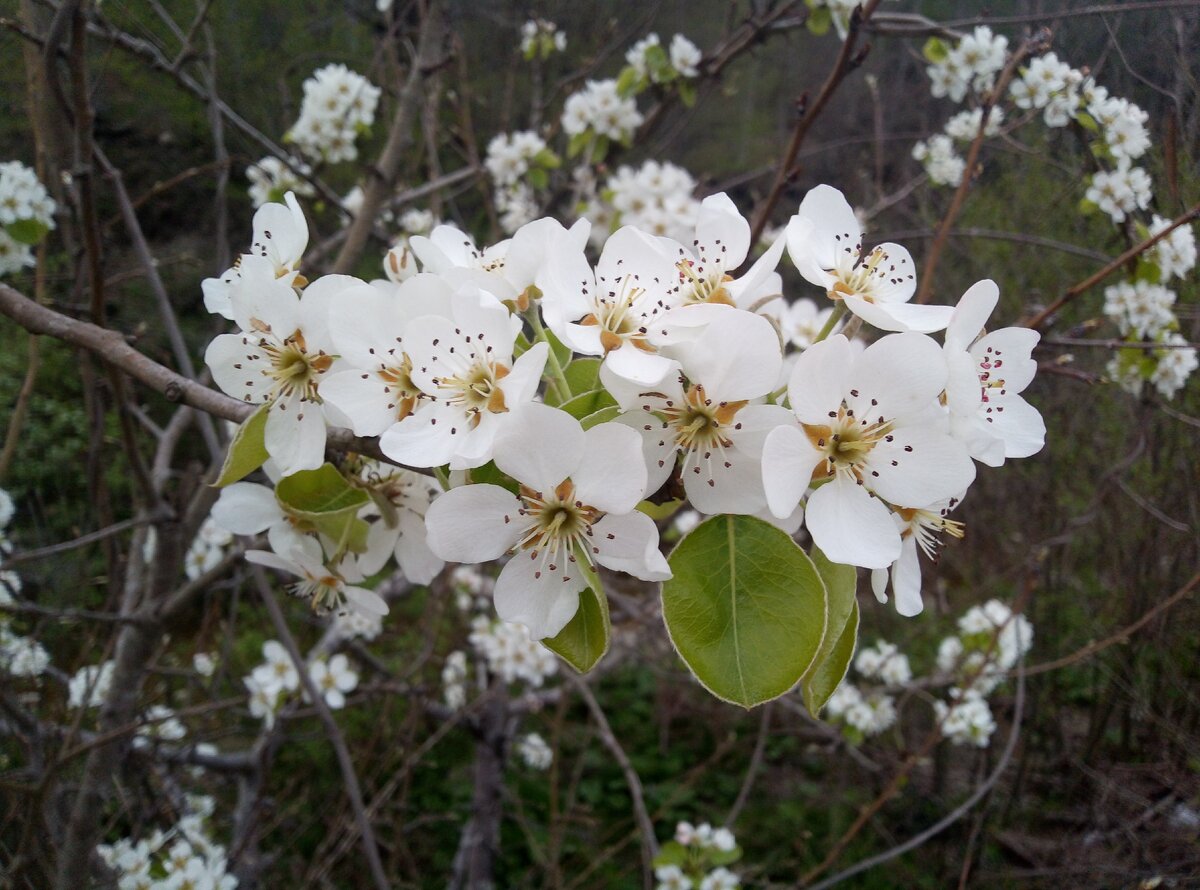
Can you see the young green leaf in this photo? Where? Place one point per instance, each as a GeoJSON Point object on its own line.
{"type": "Point", "coordinates": [583, 642]}
{"type": "Point", "coordinates": [325, 500]}
{"type": "Point", "coordinates": [247, 452]}
{"type": "Point", "coordinates": [746, 608]}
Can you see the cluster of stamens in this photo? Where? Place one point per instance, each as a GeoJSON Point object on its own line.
{"type": "Point", "coordinates": [293, 370]}
{"type": "Point", "coordinates": [558, 527]}
{"type": "Point", "coordinates": [846, 441]}
{"type": "Point", "coordinates": [859, 276]}
{"type": "Point", "coordinates": [924, 525]}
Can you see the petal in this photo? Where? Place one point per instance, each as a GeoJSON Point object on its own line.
{"type": "Point", "coordinates": [904, 373]}
{"type": "Point", "coordinates": [474, 523]}
{"type": "Point", "coordinates": [1008, 351]}
{"type": "Point", "coordinates": [900, 316]}
{"type": "Point", "coordinates": [788, 460]}
{"type": "Point", "coordinates": [365, 601]}
{"type": "Point", "coordinates": [540, 447]}
{"type": "Point", "coordinates": [367, 328]}
{"type": "Point", "coordinates": [528, 593]}
{"type": "Point", "coordinates": [526, 373]}
{"type": "Point", "coordinates": [906, 580]}
{"type": "Point", "coordinates": [258, 298]}
{"type": "Point", "coordinates": [370, 404]}
{"type": "Point", "coordinates": [643, 368]}
{"type": "Point", "coordinates": [971, 314]}
{"type": "Point", "coordinates": [295, 435]}
{"type": "Point", "coordinates": [612, 474]}
{"type": "Point", "coordinates": [722, 233]}
{"type": "Point", "coordinates": [629, 544]}
{"type": "Point", "coordinates": [418, 562]}
{"type": "Point", "coordinates": [427, 438]}
{"type": "Point", "coordinates": [894, 280]}
{"type": "Point", "coordinates": [381, 546]}
{"type": "Point", "coordinates": [834, 227]}
{"type": "Point", "coordinates": [1021, 427]}
{"type": "Point", "coordinates": [246, 508]}
{"type": "Point", "coordinates": [851, 527]}
{"type": "Point", "coordinates": [736, 357]}
{"type": "Point", "coordinates": [658, 446]}
{"type": "Point", "coordinates": [818, 381]}
{"type": "Point", "coordinates": [729, 482]}
{"type": "Point", "coordinates": [918, 467]}
{"type": "Point", "coordinates": [236, 371]}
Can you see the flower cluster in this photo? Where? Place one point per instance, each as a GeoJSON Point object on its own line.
{"type": "Point", "coordinates": [697, 859]}
{"type": "Point", "coordinates": [338, 106]}
{"type": "Point", "coordinates": [971, 65]}
{"type": "Point", "coordinates": [518, 164]}
{"type": "Point", "coordinates": [655, 197]}
{"type": "Point", "coordinates": [534, 752]}
{"type": "Point", "coordinates": [273, 681]}
{"type": "Point", "coordinates": [89, 685]}
{"type": "Point", "coordinates": [183, 857]}
{"type": "Point", "coordinates": [651, 63]}
{"type": "Point", "coordinates": [511, 653]}
{"type": "Point", "coordinates": [20, 656]}
{"type": "Point", "coordinates": [207, 549]}
{"type": "Point", "coordinates": [599, 110]}
{"type": "Point", "coordinates": [26, 215]}
{"type": "Point", "coordinates": [271, 179]}
{"type": "Point", "coordinates": [540, 39]}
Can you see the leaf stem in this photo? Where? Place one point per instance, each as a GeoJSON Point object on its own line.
{"type": "Point", "coordinates": [557, 379]}
{"type": "Point", "coordinates": [839, 310]}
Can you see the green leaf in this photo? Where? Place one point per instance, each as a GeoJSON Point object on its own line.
{"type": "Point", "coordinates": [583, 374]}
{"type": "Point", "coordinates": [723, 857]}
{"type": "Point", "coordinates": [325, 500]}
{"type": "Point", "coordinates": [1147, 271]}
{"type": "Point", "coordinates": [935, 50]}
{"type": "Point", "coordinates": [27, 231]}
{"type": "Point", "coordinates": [604, 415]}
{"type": "Point", "coordinates": [538, 178]}
{"type": "Point", "coordinates": [687, 93]}
{"type": "Point", "coordinates": [1086, 121]}
{"type": "Point", "coordinates": [841, 637]}
{"type": "Point", "coordinates": [561, 351]}
{"type": "Point", "coordinates": [671, 853]}
{"type": "Point", "coordinates": [583, 642]}
{"type": "Point", "coordinates": [547, 159]}
{"type": "Point", "coordinates": [588, 403]}
{"type": "Point", "coordinates": [578, 143]}
{"type": "Point", "coordinates": [820, 20]}
{"type": "Point", "coordinates": [1088, 208]}
{"type": "Point", "coordinates": [627, 81]}
{"type": "Point", "coordinates": [247, 452]}
{"type": "Point", "coordinates": [601, 150]}
{"type": "Point", "coordinates": [490, 474]}
{"type": "Point", "coordinates": [657, 512]}
{"type": "Point", "coordinates": [746, 608]}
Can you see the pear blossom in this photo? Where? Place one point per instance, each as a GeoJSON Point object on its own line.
{"type": "Point", "coordinates": [685, 56]}
{"type": "Point", "coordinates": [1175, 255]}
{"type": "Point", "coordinates": [609, 312]}
{"type": "Point", "coordinates": [576, 503]}
{"type": "Point", "coordinates": [278, 669]}
{"type": "Point", "coordinates": [824, 240]}
{"type": "Point", "coordinates": [89, 686]}
{"type": "Point", "coordinates": [338, 105]}
{"type": "Point", "coordinates": [869, 434]}
{"type": "Point", "coordinates": [403, 498]}
{"type": "Point", "coordinates": [271, 179]}
{"type": "Point", "coordinates": [371, 383]}
{"type": "Point", "coordinates": [279, 239]}
{"type": "Point", "coordinates": [264, 699]}
{"type": "Point", "coordinates": [333, 679]}
{"type": "Point", "coordinates": [534, 752]}
{"type": "Point", "coordinates": [1121, 191]}
{"type": "Point", "coordinates": [325, 588]}
{"type": "Point", "coordinates": [279, 359]}
{"type": "Point", "coordinates": [247, 508]}
{"type": "Point", "coordinates": [919, 529]}
{"type": "Point", "coordinates": [463, 365]}
{"type": "Point", "coordinates": [701, 417]}
{"type": "Point", "coordinates": [986, 376]}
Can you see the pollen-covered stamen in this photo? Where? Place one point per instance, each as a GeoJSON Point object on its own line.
{"type": "Point", "coordinates": [701, 428]}
{"type": "Point", "coordinates": [863, 277]}
{"type": "Point", "coordinates": [476, 389]}
{"type": "Point", "coordinates": [846, 441]}
{"type": "Point", "coordinates": [925, 525]}
{"type": "Point", "coordinates": [703, 284]}
{"type": "Point", "coordinates": [557, 526]}
{"type": "Point", "coordinates": [620, 317]}
{"type": "Point", "coordinates": [990, 380]}
{"type": "Point", "coordinates": [398, 384]}
{"type": "Point", "coordinates": [294, 370]}
{"type": "Point", "coordinates": [324, 591]}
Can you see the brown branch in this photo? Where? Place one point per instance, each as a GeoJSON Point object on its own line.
{"type": "Point", "coordinates": [110, 346]}
{"type": "Point", "coordinates": [846, 62]}
{"type": "Point", "coordinates": [1028, 45]}
{"type": "Point", "coordinates": [1099, 275]}
{"type": "Point", "coordinates": [383, 174]}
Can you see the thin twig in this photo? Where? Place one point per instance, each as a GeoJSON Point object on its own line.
{"type": "Point", "coordinates": [345, 764]}
{"type": "Point", "coordinates": [846, 62]}
{"type": "Point", "coordinates": [1099, 275]}
{"type": "Point", "coordinates": [632, 781]}
{"type": "Point", "coordinates": [1029, 45]}
{"type": "Point", "coordinates": [756, 760]}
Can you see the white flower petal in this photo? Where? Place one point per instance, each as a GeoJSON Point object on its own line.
{"type": "Point", "coordinates": [612, 475]}
{"type": "Point", "coordinates": [528, 593]}
{"type": "Point", "coordinates": [851, 527]}
{"type": "Point", "coordinates": [818, 381]}
{"type": "Point", "coordinates": [365, 601]}
{"type": "Point", "coordinates": [246, 508]}
{"type": "Point", "coordinates": [901, 316]}
{"type": "Point", "coordinates": [906, 580]}
{"type": "Point", "coordinates": [474, 523]}
{"type": "Point", "coordinates": [540, 446]}
{"type": "Point", "coordinates": [426, 438]}
{"type": "Point", "coordinates": [295, 435]}
{"type": "Point", "coordinates": [629, 544]}
{"type": "Point", "coordinates": [788, 460]}
{"type": "Point", "coordinates": [722, 231]}
{"type": "Point", "coordinates": [918, 467]}
{"type": "Point", "coordinates": [970, 316]}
